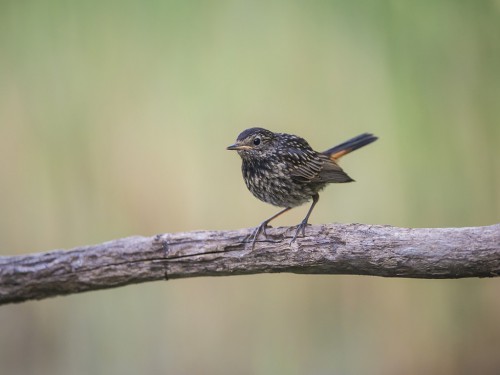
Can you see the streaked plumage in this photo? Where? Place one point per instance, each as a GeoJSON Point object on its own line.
{"type": "Point", "coordinates": [283, 170]}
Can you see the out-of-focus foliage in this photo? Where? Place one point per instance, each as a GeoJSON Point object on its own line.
{"type": "Point", "coordinates": [114, 118]}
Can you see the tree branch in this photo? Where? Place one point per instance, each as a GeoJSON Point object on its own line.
{"type": "Point", "coordinates": [356, 249]}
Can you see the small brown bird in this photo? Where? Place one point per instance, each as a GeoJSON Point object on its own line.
{"type": "Point", "coordinates": [283, 170]}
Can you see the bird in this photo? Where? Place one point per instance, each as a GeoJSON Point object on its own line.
{"type": "Point", "coordinates": [283, 170]}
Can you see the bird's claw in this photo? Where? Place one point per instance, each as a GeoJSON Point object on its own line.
{"type": "Point", "coordinates": [260, 229]}
{"type": "Point", "coordinates": [300, 228]}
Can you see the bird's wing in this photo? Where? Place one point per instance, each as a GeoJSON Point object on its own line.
{"type": "Point", "coordinates": [304, 165]}
{"type": "Point", "coordinates": [331, 172]}
{"type": "Point", "coordinates": [309, 165]}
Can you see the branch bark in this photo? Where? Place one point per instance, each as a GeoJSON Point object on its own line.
{"type": "Point", "coordinates": [356, 249]}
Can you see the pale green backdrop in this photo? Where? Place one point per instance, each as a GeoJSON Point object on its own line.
{"type": "Point", "coordinates": [114, 118]}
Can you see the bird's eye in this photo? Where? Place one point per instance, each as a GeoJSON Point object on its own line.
{"type": "Point", "coordinates": [256, 141]}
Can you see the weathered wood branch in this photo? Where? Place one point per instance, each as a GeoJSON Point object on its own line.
{"type": "Point", "coordinates": [356, 249]}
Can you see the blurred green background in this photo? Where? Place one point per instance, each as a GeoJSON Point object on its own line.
{"type": "Point", "coordinates": [114, 118]}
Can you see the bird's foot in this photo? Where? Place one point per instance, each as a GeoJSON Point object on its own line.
{"type": "Point", "coordinates": [300, 228]}
{"type": "Point", "coordinates": [260, 229]}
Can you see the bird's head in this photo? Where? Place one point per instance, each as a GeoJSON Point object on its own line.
{"type": "Point", "coordinates": [254, 143]}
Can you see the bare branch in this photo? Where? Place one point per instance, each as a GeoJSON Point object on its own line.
{"type": "Point", "coordinates": [356, 249]}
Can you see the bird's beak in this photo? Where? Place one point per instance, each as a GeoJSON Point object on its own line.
{"type": "Point", "coordinates": [237, 147]}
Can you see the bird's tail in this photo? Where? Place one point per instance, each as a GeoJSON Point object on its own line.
{"type": "Point", "coordinates": [342, 149]}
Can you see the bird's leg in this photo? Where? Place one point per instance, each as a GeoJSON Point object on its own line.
{"type": "Point", "coordinates": [302, 226]}
{"type": "Point", "coordinates": [262, 227]}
